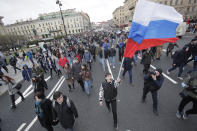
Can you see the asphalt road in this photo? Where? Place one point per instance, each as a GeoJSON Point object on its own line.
{"type": "Point", "coordinates": [132, 114]}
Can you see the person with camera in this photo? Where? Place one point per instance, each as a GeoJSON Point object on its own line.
{"type": "Point", "coordinates": [44, 111]}
{"type": "Point", "coordinates": [109, 91]}
{"type": "Point", "coordinates": [189, 94]}
{"type": "Point", "coordinates": [152, 83]}
{"type": "Point", "coordinates": [38, 80]}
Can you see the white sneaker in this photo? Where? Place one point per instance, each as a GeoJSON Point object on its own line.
{"type": "Point", "coordinates": [178, 114]}
{"type": "Point", "coordinates": [168, 72]}
{"type": "Point", "coordinates": [180, 78]}
{"type": "Point", "coordinates": [113, 67]}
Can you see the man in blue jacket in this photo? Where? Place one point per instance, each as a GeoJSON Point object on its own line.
{"type": "Point", "coordinates": [27, 73]}
{"type": "Point", "coordinates": [152, 83]}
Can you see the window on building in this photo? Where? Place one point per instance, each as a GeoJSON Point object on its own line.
{"type": "Point", "coordinates": [69, 32]}
{"type": "Point", "coordinates": [176, 2]}
{"type": "Point", "coordinates": [189, 2]}
{"type": "Point", "coordinates": [27, 27]}
{"type": "Point", "coordinates": [166, 2]}
{"type": "Point", "coordinates": [73, 31]}
{"type": "Point", "coordinates": [40, 30]}
{"type": "Point", "coordinates": [79, 30]}
{"type": "Point", "coordinates": [181, 2]}
{"type": "Point", "coordinates": [193, 8]}
{"type": "Point", "coordinates": [39, 25]}
{"type": "Point", "coordinates": [170, 2]}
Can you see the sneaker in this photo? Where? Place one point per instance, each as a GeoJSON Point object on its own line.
{"type": "Point", "coordinates": [180, 78]}
{"type": "Point", "coordinates": [113, 67]}
{"type": "Point", "coordinates": [168, 72]}
{"type": "Point", "coordinates": [185, 116]}
{"type": "Point", "coordinates": [178, 114]}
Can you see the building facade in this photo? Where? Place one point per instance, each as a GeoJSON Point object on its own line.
{"type": "Point", "coordinates": [118, 16]}
{"type": "Point", "coordinates": [188, 8]}
{"type": "Point", "coordinates": [51, 25]}
{"type": "Point", "coordinates": [2, 28]}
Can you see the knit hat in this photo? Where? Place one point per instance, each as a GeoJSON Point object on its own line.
{"type": "Point", "coordinates": [159, 70]}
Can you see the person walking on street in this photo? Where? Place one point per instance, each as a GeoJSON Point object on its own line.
{"type": "Point", "coordinates": [179, 60]}
{"type": "Point", "coordinates": [12, 90]}
{"type": "Point", "coordinates": [127, 66]}
{"type": "Point", "coordinates": [76, 69]}
{"type": "Point", "coordinates": [13, 62]}
{"type": "Point", "coordinates": [146, 60]}
{"type": "Point", "coordinates": [65, 110]}
{"type": "Point", "coordinates": [27, 73]}
{"type": "Point", "coordinates": [86, 75]}
{"type": "Point", "coordinates": [44, 111]}
{"type": "Point", "coordinates": [152, 83]}
{"type": "Point", "coordinates": [3, 63]}
{"type": "Point", "coordinates": [109, 91]}
{"type": "Point", "coordinates": [87, 57]}
{"type": "Point", "coordinates": [189, 94]}
{"type": "Point", "coordinates": [68, 77]}
{"type": "Point", "coordinates": [38, 80]}
{"type": "Point", "coordinates": [112, 55]}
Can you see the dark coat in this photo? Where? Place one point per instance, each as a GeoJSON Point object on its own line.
{"type": "Point", "coordinates": [112, 52]}
{"type": "Point", "coordinates": [127, 63]}
{"type": "Point", "coordinates": [47, 118]}
{"type": "Point", "coordinates": [66, 114]}
{"type": "Point", "coordinates": [76, 69]}
{"type": "Point", "coordinates": [146, 58]}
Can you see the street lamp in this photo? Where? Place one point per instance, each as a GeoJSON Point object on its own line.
{"type": "Point", "coordinates": [60, 4]}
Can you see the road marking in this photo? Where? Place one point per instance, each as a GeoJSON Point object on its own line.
{"type": "Point", "coordinates": [27, 92]}
{"type": "Point", "coordinates": [164, 50]}
{"type": "Point", "coordinates": [57, 86]}
{"type": "Point", "coordinates": [21, 127]}
{"type": "Point", "coordinates": [109, 68]}
{"type": "Point", "coordinates": [173, 81]}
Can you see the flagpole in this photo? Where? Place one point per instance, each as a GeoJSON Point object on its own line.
{"type": "Point", "coordinates": [120, 68]}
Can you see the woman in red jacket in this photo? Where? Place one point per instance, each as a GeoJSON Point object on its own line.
{"type": "Point", "coordinates": [62, 61]}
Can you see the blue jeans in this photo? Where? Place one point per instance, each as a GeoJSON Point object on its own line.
{"type": "Point", "coordinates": [87, 84]}
{"type": "Point", "coordinates": [112, 60]}
{"type": "Point", "coordinates": [180, 69]}
{"type": "Point", "coordinates": [130, 74]}
{"type": "Point", "coordinates": [102, 60]}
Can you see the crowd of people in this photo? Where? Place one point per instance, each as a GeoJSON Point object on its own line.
{"type": "Point", "coordinates": [73, 58]}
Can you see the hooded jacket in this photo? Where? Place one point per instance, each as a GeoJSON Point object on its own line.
{"type": "Point", "coordinates": [27, 74]}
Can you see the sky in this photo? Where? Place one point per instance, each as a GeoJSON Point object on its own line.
{"type": "Point", "coordinates": [98, 10]}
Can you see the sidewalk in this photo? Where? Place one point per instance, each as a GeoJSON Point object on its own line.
{"type": "Point", "coordinates": [18, 76]}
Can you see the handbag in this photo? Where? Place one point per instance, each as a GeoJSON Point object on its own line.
{"type": "Point", "coordinates": [183, 93]}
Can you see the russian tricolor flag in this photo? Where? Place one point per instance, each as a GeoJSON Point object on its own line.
{"type": "Point", "coordinates": [153, 25]}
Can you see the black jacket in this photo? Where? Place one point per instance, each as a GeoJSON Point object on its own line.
{"type": "Point", "coordinates": [106, 54]}
{"type": "Point", "coordinates": [112, 52]}
{"type": "Point", "coordinates": [180, 57]}
{"type": "Point", "coordinates": [110, 91]}
{"type": "Point", "coordinates": [127, 63]}
{"type": "Point", "coordinates": [76, 69]}
{"type": "Point", "coordinates": [47, 118]}
{"type": "Point", "coordinates": [153, 85]}
{"type": "Point", "coordinates": [146, 58]}
{"type": "Point", "coordinates": [66, 114]}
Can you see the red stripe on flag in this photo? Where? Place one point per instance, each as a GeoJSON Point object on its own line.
{"type": "Point", "coordinates": [132, 46]}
